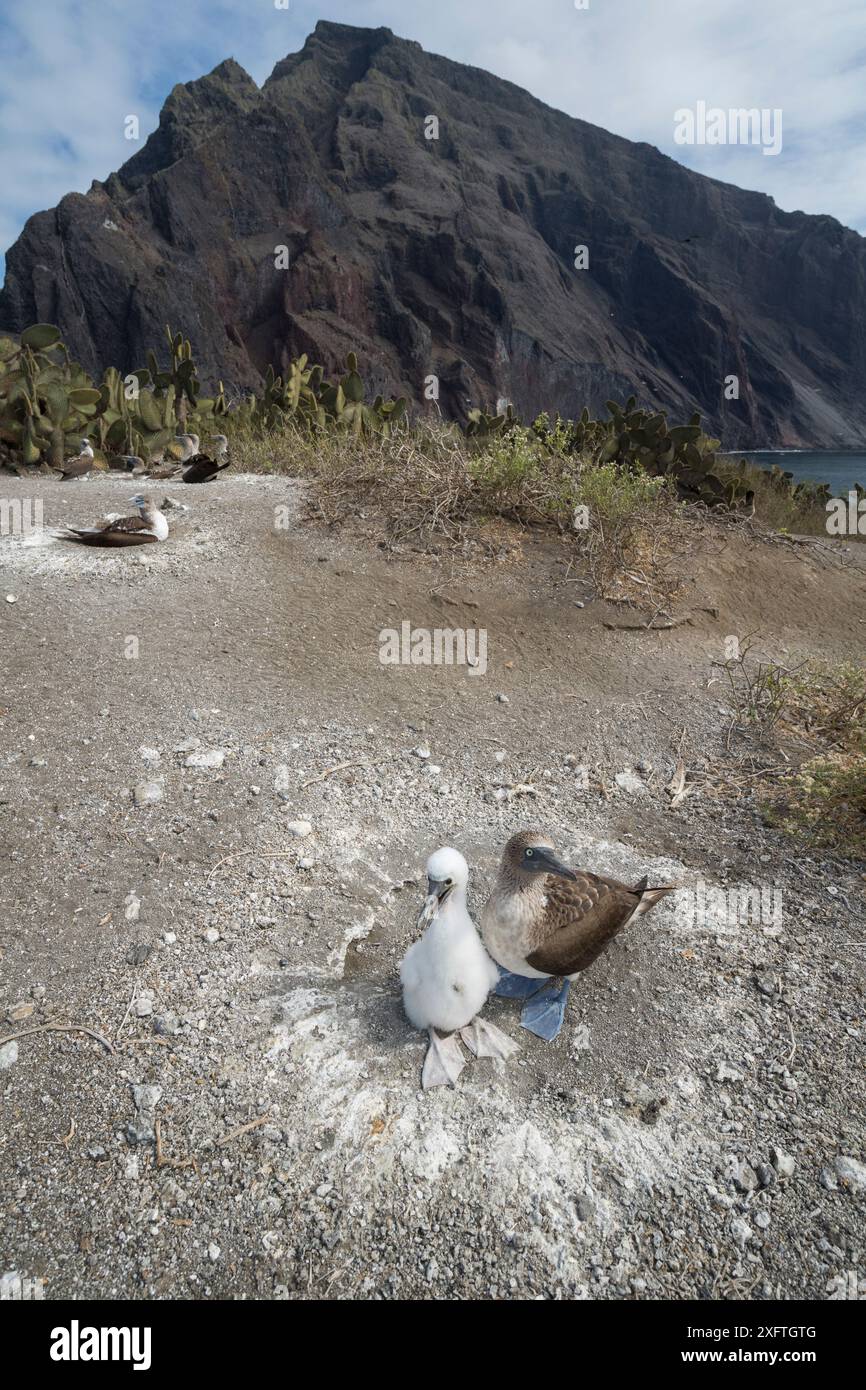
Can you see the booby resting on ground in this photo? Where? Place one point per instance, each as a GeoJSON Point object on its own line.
{"type": "Point", "coordinates": [202, 467]}
{"type": "Point", "coordinates": [447, 976]}
{"type": "Point", "coordinates": [125, 463]}
{"type": "Point", "coordinates": [81, 465]}
{"type": "Point", "coordinates": [188, 444]}
{"type": "Point", "coordinates": [544, 923]}
{"type": "Point", "coordinates": [146, 528]}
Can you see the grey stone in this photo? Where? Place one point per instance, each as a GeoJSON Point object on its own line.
{"type": "Point", "coordinates": [139, 953]}
{"type": "Point", "coordinates": [585, 1208]}
{"type": "Point", "coordinates": [727, 1073]}
{"type": "Point", "coordinates": [851, 1172]}
{"type": "Point", "coordinates": [147, 793]}
{"type": "Point", "coordinates": [630, 782]}
{"type": "Point", "coordinates": [208, 758]}
{"type": "Point", "coordinates": [766, 1174]}
{"type": "Point", "coordinates": [746, 1179]}
{"type": "Point", "coordinates": [166, 1024]}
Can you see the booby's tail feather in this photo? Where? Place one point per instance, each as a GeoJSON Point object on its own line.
{"type": "Point", "coordinates": [650, 896]}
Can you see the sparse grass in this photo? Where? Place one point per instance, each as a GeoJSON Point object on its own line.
{"type": "Point", "coordinates": [509, 476]}
{"type": "Point", "coordinates": [636, 536]}
{"type": "Point", "coordinates": [775, 510]}
{"type": "Point", "coordinates": [432, 485]}
{"type": "Point", "coordinates": [825, 803]}
{"type": "Point", "coordinates": [824, 799]}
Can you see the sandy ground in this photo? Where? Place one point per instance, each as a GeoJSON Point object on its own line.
{"type": "Point", "coordinates": [695, 1131]}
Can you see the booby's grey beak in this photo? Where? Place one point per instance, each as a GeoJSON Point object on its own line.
{"type": "Point", "coordinates": [439, 889]}
{"type": "Point", "coordinates": [436, 894]}
{"type": "Point", "coordinates": [544, 861]}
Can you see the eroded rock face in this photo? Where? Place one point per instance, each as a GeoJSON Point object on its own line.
{"type": "Point", "coordinates": [453, 256]}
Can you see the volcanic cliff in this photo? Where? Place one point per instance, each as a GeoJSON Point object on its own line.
{"type": "Point", "coordinates": [452, 256]}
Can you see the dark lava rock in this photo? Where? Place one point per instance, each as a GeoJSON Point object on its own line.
{"type": "Point", "coordinates": [452, 256]}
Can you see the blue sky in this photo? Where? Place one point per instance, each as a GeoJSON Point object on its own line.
{"type": "Point", "coordinates": [74, 69]}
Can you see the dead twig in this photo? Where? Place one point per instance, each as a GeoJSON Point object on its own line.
{"type": "Point", "coordinates": [59, 1028]}
{"type": "Point", "coordinates": [651, 626]}
{"type": "Point", "coordinates": [242, 1129]}
{"type": "Point", "coordinates": [254, 853]}
{"type": "Point", "coordinates": [677, 788]}
{"type": "Point", "coordinates": [340, 767]}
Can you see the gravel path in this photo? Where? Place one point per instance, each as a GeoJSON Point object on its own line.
{"type": "Point", "coordinates": [186, 874]}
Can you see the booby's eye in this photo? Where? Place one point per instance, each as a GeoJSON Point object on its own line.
{"type": "Point", "coordinates": [529, 853]}
{"type": "Point", "coordinates": [448, 883]}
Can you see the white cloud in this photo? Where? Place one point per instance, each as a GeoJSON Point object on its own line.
{"type": "Point", "coordinates": [72, 72]}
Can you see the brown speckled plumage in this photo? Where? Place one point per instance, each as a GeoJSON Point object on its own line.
{"type": "Point", "coordinates": [558, 925]}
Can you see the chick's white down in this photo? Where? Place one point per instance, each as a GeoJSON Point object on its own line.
{"type": "Point", "coordinates": [447, 975]}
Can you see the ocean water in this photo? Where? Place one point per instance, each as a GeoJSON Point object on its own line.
{"type": "Point", "coordinates": [840, 468]}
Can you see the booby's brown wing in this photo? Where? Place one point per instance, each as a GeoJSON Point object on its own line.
{"type": "Point", "coordinates": [77, 468]}
{"type": "Point", "coordinates": [582, 915]}
{"type": "Point", "coordinates": [132, 524]}
{"type": "Point", "coordinates": [200, 469]}
{"type": "Point", "coordinates": [127, 530]}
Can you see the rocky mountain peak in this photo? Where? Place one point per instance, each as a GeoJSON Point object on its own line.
{"type": "Point", "coordinates": [450, 251]}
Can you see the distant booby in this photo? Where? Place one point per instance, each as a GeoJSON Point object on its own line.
{"type": "Point", "coordinates": [544, 923]}
{"type": "Point", "coordinates": [447, 976]}
{"type": "Point", "coordinates": [81, 464]}
{"type": "Point", "coordinates": [202, 467]}
{"type": "Point", "coordinates": [146, 528]}
{"type": "Point", "coordinates": [189, 445]}
{"type": "Point", "coordinates": [124, 463]}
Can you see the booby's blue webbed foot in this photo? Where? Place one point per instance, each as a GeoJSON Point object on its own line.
{"type": "Point", "coordinates": [444, 1061]}
{"type": "Point", "coordinates": [543, 1014]}
{"type": "Point", "coordinates": [517, 986]}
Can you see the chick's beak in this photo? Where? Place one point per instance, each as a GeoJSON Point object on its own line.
{"type": "Point", "coordinates": [436, 895]}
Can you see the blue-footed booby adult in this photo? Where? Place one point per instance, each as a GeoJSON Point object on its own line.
{"type": "Point", "coordinates": [146, 528]}
{"type": "Point", "coordinates": [81, 465]}
{"type": "Point", "coordinates": [544, 923]}
{"type": "Point", "coordinates": [447, 976]}
{"type": "Point", "coordinates": [202, 467]}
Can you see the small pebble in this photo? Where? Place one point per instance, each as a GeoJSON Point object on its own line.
{"type": "Point", "coordinates": [209, 758]}
{"type": "Point", "coordinates": [146, 793]}
{"type": "Point", "coordinates": [850, 1172]}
